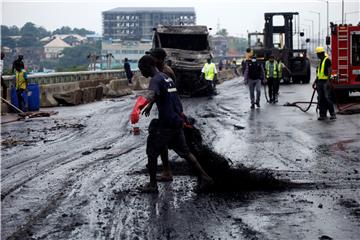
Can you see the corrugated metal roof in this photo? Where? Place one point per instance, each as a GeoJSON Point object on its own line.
{"type": "Point", "coordinates": [57, 43]}
{"type": "Point", "coordinates": [152, 9]}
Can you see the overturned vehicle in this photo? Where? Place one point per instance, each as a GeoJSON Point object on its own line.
{"type": "Point", "coordinates": [187, 49]}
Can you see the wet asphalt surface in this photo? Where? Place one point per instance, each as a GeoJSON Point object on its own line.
{"type": "Point", "coordinates": [74, 175]}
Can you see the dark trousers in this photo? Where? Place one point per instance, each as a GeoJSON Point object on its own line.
{"type": "Point", "coordinates": [20, 98]}
{"type": "Point", "coordinates": [273, 85]}
{"type": "Point", "coordinates": [4, 88]}
{"type": "Point", "coordinates": [210, 87]}
{"type": "Point", "coordinates": [325, 103]}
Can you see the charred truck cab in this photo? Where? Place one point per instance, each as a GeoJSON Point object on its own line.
{"type": "Point", "coordinates": [187, 49]}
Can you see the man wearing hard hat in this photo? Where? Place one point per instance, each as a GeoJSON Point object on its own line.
{"type": "Point", "coordinates": [322, 85]}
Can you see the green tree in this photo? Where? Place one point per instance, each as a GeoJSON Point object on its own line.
{"type": "Point", "coordinates": [62, 30]}
{"type": "Point", "coordinates": [76, 57]}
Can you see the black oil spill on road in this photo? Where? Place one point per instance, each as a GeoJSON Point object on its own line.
{"type": "Point", "coordinates": [227, 178]}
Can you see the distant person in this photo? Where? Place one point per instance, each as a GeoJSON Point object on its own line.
{"type": "Point", "coordinates": [127, 68]}
{"type": "Point", "coordinates": [3, 85]}
{"type": "Point", "coordinates": [322, 85]}
{"type": "Point", "coordinates": [21, 85]}
{"type": "Point", "coordinates": [18, 63]}
{"type": "Point", "coordinates": [209, 73]}
{"type": "Point", "coordinates": [253, 76]}
{"type": "Point", "coordinates": [234, 67]}
{"type": "Point", "coordinates": [221, 65]}
{"type": "Point", "coordinates": [272, 78]}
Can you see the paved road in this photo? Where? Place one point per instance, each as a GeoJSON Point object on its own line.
{"type": "Point", "coordinates": [74, 175]}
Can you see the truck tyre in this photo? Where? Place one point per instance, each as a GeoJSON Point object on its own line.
{"type": "Point", "coordinates": [307, 77]}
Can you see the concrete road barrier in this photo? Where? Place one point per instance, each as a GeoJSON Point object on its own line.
{"type": "Point", "coordinates": [48, 91]}
{"type": "Point", "coordinates": [69, 98]}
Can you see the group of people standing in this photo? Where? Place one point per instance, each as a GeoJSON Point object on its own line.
{"type": "Point", "coordinates": [271, 74]}
{"type": "Point", "coordinates": [256, 74]}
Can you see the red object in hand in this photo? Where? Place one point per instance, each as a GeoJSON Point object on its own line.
{"type": "Point", "coordinates": [186, 122]}
{"type": "Point", "coordinates": [141, 102]}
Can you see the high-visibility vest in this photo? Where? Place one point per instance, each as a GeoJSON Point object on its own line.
{"type": "Point", "coordinates": [320, 72]}
{"type": "Point", "coordinates": [267, 68]}
{"type": "Point", "coordinates": [20, 80]}
{"type": "Point", "coordinates": [209, 71]}
{"type": "Point", "coordinates": [280, 66]}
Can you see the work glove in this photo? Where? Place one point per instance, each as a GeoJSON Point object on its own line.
{"type": "Point", "coordinates": [187, 123]}
{"type": "Point", "coordinates": [141, 102]}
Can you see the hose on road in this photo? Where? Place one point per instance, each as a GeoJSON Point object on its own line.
{"type": "Point", "coordinates": [295, 104]}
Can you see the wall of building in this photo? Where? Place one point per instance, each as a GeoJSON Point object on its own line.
{"type": "Point", "coordinates": [136, 24]}
{"type": "Point", "coordinates": [133, 50]}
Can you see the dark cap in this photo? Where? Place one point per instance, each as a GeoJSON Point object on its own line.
{"type": "Point", "coordinates": [157, 53]}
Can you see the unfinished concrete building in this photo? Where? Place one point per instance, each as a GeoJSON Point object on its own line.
{"type": "Point", "coordinates": [128, 23]}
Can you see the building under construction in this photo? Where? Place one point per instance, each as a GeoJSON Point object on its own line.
{"type": "Point", "coordinates": [137, 23]}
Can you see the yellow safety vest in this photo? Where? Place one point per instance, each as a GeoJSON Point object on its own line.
{"type": "Point", "coordinates": [267, 68]}
{"type": "Point", "coordinates": [209, 71]}
{"type": "Point", "coordinates": [20, 80]}
{"type": "Point", "coordinates": [320, 70]}
{"type": "Point", "coordinates": [280, 69]}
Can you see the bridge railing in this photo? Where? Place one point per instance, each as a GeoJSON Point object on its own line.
{"type": "Point", "coordinates": [64, 77]}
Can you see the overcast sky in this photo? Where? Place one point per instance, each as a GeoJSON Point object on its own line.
{"type": "Point", "coordinates": [237, 16]}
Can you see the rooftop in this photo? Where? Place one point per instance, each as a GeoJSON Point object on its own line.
{"type": "Point", "coordinates": [152, 9]}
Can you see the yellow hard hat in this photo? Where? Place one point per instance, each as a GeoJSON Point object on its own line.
{"type": "Point", "coordinates": [319, 50]}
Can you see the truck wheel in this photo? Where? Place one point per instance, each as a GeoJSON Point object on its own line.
{"type": "Point", "coordinates": [307, 77]}
{"type": "Point", "coordinates": [296, 80]}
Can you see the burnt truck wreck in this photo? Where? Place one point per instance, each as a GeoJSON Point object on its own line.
{"type": "Point", "coordinates": [187, 49]}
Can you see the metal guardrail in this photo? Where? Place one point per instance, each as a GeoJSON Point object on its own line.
{"type": "Point", "coordinates": [64, 77]}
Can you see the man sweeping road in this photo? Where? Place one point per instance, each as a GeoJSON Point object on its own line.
{"type": "Point", "coordinates": [168, 131]}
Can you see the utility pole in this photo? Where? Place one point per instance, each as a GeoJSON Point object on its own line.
{"type": "Point", "coordinates": [327, 20]}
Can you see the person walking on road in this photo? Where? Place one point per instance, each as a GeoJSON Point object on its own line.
{"type": "Point", "coordinates": [322, 85]}
{"type": "Point", "coordinates": [254, 76]}
{"type": "Point", "coordinates": [21, 85]}
{"type": "Point", "coordinates": [127, 68]}
{"type": "Point", "coordinates": [209, 73]}
{"type": "Point", "coordinates": [271, 73]}
{"type": "Point", "coordinates": [159, 56]}
{"type": "Point", "coordinates": [169, 131]}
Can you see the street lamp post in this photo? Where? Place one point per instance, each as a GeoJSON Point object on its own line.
{"type": "Point", "coordinates": [318, 13]}
{"type": "Point", "coordinates": [312, 31]}
{"type": "Point", "coordinates": [327, 20]}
